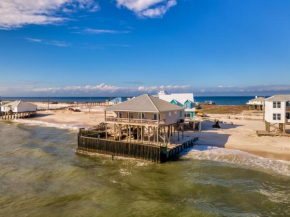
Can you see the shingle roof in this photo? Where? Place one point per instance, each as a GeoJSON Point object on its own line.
{"type": "Point", "coordinates": [258, 99]}
{"type": "Point", "coordinates": [282, 98]}
{"type": "Point", "coordinates": [145, 103]}
{"type": "Point", "coordinates": [16, 104]}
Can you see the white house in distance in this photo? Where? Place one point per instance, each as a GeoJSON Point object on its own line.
{"type": "Point", "coordinates": [277, 112]}
{"type": "Point", "coordinates": [257, 103]}
{"type": "Point", "coordinates": [186, 100]}
{"type": "Point", "coordinates": [18, 106]}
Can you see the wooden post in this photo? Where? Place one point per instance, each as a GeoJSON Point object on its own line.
{"type": "Point", "coordinates": [157, 134]}
{"type": "Point", "coordinates": [199, 126]}
{"type": "Point", "coordinates": [127, 132]}
{"type": "Point", "coordinates": [149, 135]}
{"type": "Point", "coordinates": [130, 133]}
{"type": "Point", "coordinates": [119, 132]}
{"type": "Point", "coordinates": [137, 133]}
{"type": "Point", "coordinates": [142, 131]}
{"type": "Point", "coordinates": [106, 131]}
{"type": "Point", "coordinates": [182, 131]}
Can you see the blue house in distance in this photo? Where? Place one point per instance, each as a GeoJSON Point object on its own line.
{"type": "Point", "coordinates": [117, 100]}
{"type": "Point", "coordinates": [186, 100]}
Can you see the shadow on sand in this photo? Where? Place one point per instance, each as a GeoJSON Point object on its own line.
{"type": "Point", "coordinates": [41, 115]}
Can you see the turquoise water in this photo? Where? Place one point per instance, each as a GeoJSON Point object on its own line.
{"type": "Point", "coordinates": [41, 175]}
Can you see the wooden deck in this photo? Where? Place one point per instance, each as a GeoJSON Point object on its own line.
{"type": "Point", "coordinates": [133, 121]}
{"type": "Point", "coordinates": [152, 152]}
{"type": "Point", "coordinates": [265, 133]}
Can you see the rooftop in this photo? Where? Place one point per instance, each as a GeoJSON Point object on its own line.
{"type": "Point", "coordinates": [282, 98]}
{"type": "Point", "coordinates": [16, 104]}
{"type": "Point", "coordinates": [145, 103]}
{"type": "Point", "coordinates": [258, 99]}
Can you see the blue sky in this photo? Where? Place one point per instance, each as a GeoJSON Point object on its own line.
{"type": "Point", "coordinates": [130, 47]}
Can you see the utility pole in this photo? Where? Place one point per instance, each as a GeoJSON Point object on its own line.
{"type": "Point", "coordinates": [90, 104]}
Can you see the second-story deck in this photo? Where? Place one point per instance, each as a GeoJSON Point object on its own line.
{"type": "Point", "coordinates": [134, 121]}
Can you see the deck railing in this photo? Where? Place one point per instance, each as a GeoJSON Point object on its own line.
{"type": "Point", "coordinates": [134, 121]}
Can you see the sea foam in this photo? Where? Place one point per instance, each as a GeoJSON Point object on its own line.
{"type": "Point", "coordinates": [238, 158]}
{"type": "Point", "coordinates": [74, 126]}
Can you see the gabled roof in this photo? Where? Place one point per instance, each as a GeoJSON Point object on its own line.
{"type": "Point", "coordinates": [187, 101]}
{"type": "Point", "coordinates": [17, 104]}
{"type": "Point", "coordinates": [282, 98]}
{"type": "Point", "coordinates": [174, 101]}
{"type": "Point", "coordinates": [258, 99]}
{"type": "Point", "coordinates": [145, 103]}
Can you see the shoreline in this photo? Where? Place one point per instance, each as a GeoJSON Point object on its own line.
{"type": "Point", "coordinates": [238, 131]}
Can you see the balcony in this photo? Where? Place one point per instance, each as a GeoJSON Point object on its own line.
{"type": "Point", "coordinates": [134, 121]}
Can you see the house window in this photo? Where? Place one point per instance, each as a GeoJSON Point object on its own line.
{"type": "Point", "coordinates": [180, 114]}
{"type": "Point", "coordinates": [131, 115]}
{"type": "Point", "coordinates": [141, 115]}
{"type": "Point", "coordinates": [155, 117]}
{"type": "Point", "coordinates": [120, 115]}
{"type": "Point", "coordinates": [187, 115]}
{"type": "Point", "coordinates": [169, 114]}
{"type": "Point", "coordinates": [276, 117]}
{"type": "Point", "coordinates": [276, 104]}
{"type": "Point", "coordinates": [175, 112]}
{"type": "Point", "coordinates": [187, 105]}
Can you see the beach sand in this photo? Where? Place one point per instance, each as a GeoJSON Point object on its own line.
{"type": "Point", "coordinates": [239, 131]}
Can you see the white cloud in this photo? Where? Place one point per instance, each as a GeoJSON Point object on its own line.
{"type": "Point", "coordinates": [147, 8]}
{"type": "Point", "coordinates": [55, 43]}
{"type": "Point", "coordinates": [103, 31]}
{"type": "Point", "coordinates": [34, 88]}
{"type": "Point", "coordinates": [17, 13]}
{"type": "Point", "coordinates": [104, 88]}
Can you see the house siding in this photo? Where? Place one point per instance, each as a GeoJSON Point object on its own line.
{"type": "Point", "coordinates": [269, 111]}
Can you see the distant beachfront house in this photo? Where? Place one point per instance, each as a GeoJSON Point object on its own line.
{"type": "Point", "coordinates": [186, 100]}
{"type": "Point", "coordinates": [257, 103]}
{"type": "Point", "coordinates": [116, 101]}
{"type": "Point", "coordinates": [18, 106]}
{"type": "Point", "coordinates": [277, 112]}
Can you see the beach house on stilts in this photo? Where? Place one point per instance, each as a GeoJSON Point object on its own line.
{"type": "Point", "coordinates": [145, 119]}
{"type": "Point", "coordinates": [17, 109]}
{"type": "Point", "coordinates": [277, 113]}
{"type": "Point", "coordinates": [144, 127]}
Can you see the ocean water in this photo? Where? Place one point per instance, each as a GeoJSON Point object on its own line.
{"type": "Point", "coordinates": [219, 100]}
{"type": "Point", "coordinates": [41, 175]}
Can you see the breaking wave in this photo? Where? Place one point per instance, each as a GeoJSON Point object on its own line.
{"type": "Point", "coordinates": [75, 126]}
{"type": "Point", "coordinates": [238, 158]}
